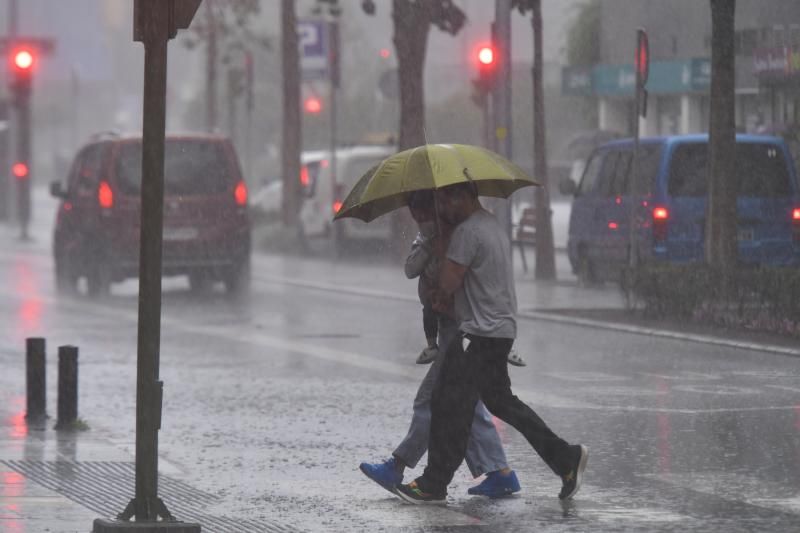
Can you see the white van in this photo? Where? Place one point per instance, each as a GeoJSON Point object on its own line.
{"type": "Point", "coordinates": [322, 196]}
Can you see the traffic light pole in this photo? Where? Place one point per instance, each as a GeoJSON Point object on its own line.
{"type": "Point", "coordinates": [641, 66]}
{"type": "Point", "coordinates": [23, 156]}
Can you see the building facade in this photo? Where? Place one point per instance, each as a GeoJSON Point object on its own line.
{"type": "Point", "coordinates": [767, 52]}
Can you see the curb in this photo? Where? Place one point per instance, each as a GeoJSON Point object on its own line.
{"type": "Point", "coordinates": [552, 317]}
{"type": "Point", "coordinates": [662, 333]}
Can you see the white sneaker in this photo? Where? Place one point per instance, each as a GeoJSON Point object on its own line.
{"type": "Point", "coordinates": [428, 355]}
{"type": "Point", "coordinates": [515, 359]}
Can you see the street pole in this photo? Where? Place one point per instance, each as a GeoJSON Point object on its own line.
{"type": "Point", "coordinates": [211, 68]}
{"type": "Point", "coordinates": [545, 252]}
{"type": "Point", "coordinates": [8, 143]}
{"type": "Point", "coordinates": [333, 76]}
{"type": "Point", "coordinates": [486, 134]}
{"type": "Point", "coordinates": [501, 98]}
{"type": "Point", "coordinates": [640, 101]}
{"type": "Point", "coordinates": [233, 81]}
{"type": "Point", "coordinates": [23, 154]}
{"type": "Point", "coordinates": [249, 107]}
{"type": "Point", "coordinates": [149, 389]}
{"type": "Point", "coordinates": [155, 22]}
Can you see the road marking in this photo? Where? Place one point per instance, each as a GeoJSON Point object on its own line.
{"type": "Point", "coordinates": [785, 387]}
{"type": "Point", "coordinates": [720, 390]}
{"type": "Point", "coordinates": [586, 377]}
{"type": "Point", "coordinates": [684, 376]}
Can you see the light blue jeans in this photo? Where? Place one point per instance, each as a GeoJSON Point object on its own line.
{"type": "Point", "coordinates": [484, 451]}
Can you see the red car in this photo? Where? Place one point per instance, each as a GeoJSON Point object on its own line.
{"type": "Point", "coordinates": [206, 223]}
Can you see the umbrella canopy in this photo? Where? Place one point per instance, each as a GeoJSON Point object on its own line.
{"type": "Point", "coordinates": [386, 186]}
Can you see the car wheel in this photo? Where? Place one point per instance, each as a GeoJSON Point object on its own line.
{"type": "Point", "coordinates": [585, 271]}
{"type": "Point", "coordinates": [237, 278]}
{"type": "Point", "coordinates": [99, 279]}
{"type": "Point", "coordinates": [198, 281]}
{"type": "Point", "coordinates": [66, 280]}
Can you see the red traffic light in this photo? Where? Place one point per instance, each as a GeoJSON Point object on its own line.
{"type": "Point", "coordinates": [486, 55]}
{"type": "Point", "coordinates": [20, 170]}
{"type": "Point", "coordinates": [313, 105]}
{"type": "Point", "coordinates": [23, 59]}
{"type": "Point", "coordinates": [642, 57]}
{"type": "Point", "coordinates": [487, 69]}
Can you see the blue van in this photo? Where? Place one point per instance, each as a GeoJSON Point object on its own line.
{"type": "Point", "coordinates": [672, 188]}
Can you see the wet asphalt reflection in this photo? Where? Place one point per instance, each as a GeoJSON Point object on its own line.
{"type": "Point", "coordinates": [272, 401]}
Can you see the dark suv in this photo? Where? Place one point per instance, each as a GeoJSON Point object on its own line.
{"type": "Point", "coordinates": [206, 224]}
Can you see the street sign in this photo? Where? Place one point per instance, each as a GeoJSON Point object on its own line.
{"type": "Point", "coordinates": [314, 53]}
{"type": "Point", "coordinates": [179, 15]}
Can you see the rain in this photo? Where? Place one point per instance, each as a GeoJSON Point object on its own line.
{"type": "Point", "coordinates": [408, 265]}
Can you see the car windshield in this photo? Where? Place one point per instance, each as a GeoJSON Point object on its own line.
{"type": "Point", "coordinates": [761, 171]}
{"type": "Point", "coordinates": [190, 167]}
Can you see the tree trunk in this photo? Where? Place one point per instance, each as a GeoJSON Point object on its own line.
{"type": "Point", "coordinates": [721, 245]}
{"type": "Point", "coordinates": [412, 24]}
{"type": "Point", "coordinates": [545, 253]}
{"type": "Point", "coordinates": [292, 135]}
{"type": "Point", "coordinates": [411, 27]}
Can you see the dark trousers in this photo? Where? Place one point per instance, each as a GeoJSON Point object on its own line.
{"type": "Point", "coordinates": [480, 372]}
{"type": "Point", "coordinates": [430, 322]}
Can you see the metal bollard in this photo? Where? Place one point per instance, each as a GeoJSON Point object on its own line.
{"type": "Point", "coordinates": [36, 381]}
{"type": "Point", "coordinates": [67, 386]}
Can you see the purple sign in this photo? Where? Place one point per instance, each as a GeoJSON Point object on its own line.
{"type": "Point", "coordinates": [777, 63]}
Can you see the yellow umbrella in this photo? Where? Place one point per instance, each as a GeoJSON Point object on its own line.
{"type": "Point", "coordinates": [385, 187]}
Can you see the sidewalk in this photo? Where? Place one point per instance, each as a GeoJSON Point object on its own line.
{"type": "Point", "coordinates": [35, 461]}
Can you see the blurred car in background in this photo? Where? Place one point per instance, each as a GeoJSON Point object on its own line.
{"type": "Point", "coordinates": [206, 223]}
{"type": "Point", "coordinates": [671, 221]}
{"type": "Point", "coordinates": [325, 188]}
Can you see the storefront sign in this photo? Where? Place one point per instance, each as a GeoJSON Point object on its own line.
{"type": "Point", "coordinates": [666, 77]}
{"type": "Point", "coordinates": [576, 81]}
{"type": "Point", "coordinates": [777, 63]}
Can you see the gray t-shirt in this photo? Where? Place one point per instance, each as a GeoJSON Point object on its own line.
{"type": "Point", "coordinates": [486, 304]}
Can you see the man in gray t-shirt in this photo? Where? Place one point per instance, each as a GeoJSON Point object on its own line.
{"type": "Point", "coordinates": [477, 286]}
{"type": "Point", "coordinates": [487, 303]}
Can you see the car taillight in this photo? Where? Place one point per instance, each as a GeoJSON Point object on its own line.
{"type": "Point", "coordinates": [337, 194]}
{"type": "Point", "coordinates": [796, 224]}
{"type": "Point", "coordinates": [304, 180]}
{"type": "Point", "coordinates": [105, 196]}
{"type": "Point", "coordinates": [240, 193]}
{"type": "Point", "coordinates": [660, 219]}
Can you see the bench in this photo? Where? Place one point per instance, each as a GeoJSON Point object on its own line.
{"type": "Point", "coordinates": [525, 233]}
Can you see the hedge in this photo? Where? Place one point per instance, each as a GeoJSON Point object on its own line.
{"type": "Point", "coordinates": [761, 298]}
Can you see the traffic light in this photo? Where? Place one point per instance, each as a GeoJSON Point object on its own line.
{"type": "Point", "coordinates": [642, 66]}
{"type": "Point", "coordinates": [20, 170]}
{"type": "Point", "coordinates": [312, 105]}
{"type": "Point", "coordinates": [487, 68]}
{"type": "Point", "coordinates": [22, 57]}
{"type": "Point", "coordinates": [642, 57]}
{"type": "Point", "coordinates": [22, 62]}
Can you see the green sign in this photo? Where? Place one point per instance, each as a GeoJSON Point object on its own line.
{"type": "Point", "coordinates": [666, 77]}
{"type": "Point", "coordinates": [576, 81]}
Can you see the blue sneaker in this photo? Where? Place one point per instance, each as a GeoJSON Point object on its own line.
{"type": "Point", "coordinates": [384, 474]}
{"type": "Point", "coordinates": [496, 485]}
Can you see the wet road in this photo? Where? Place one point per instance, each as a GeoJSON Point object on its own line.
{"type": "Point", "coordinates": [271, 402]}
